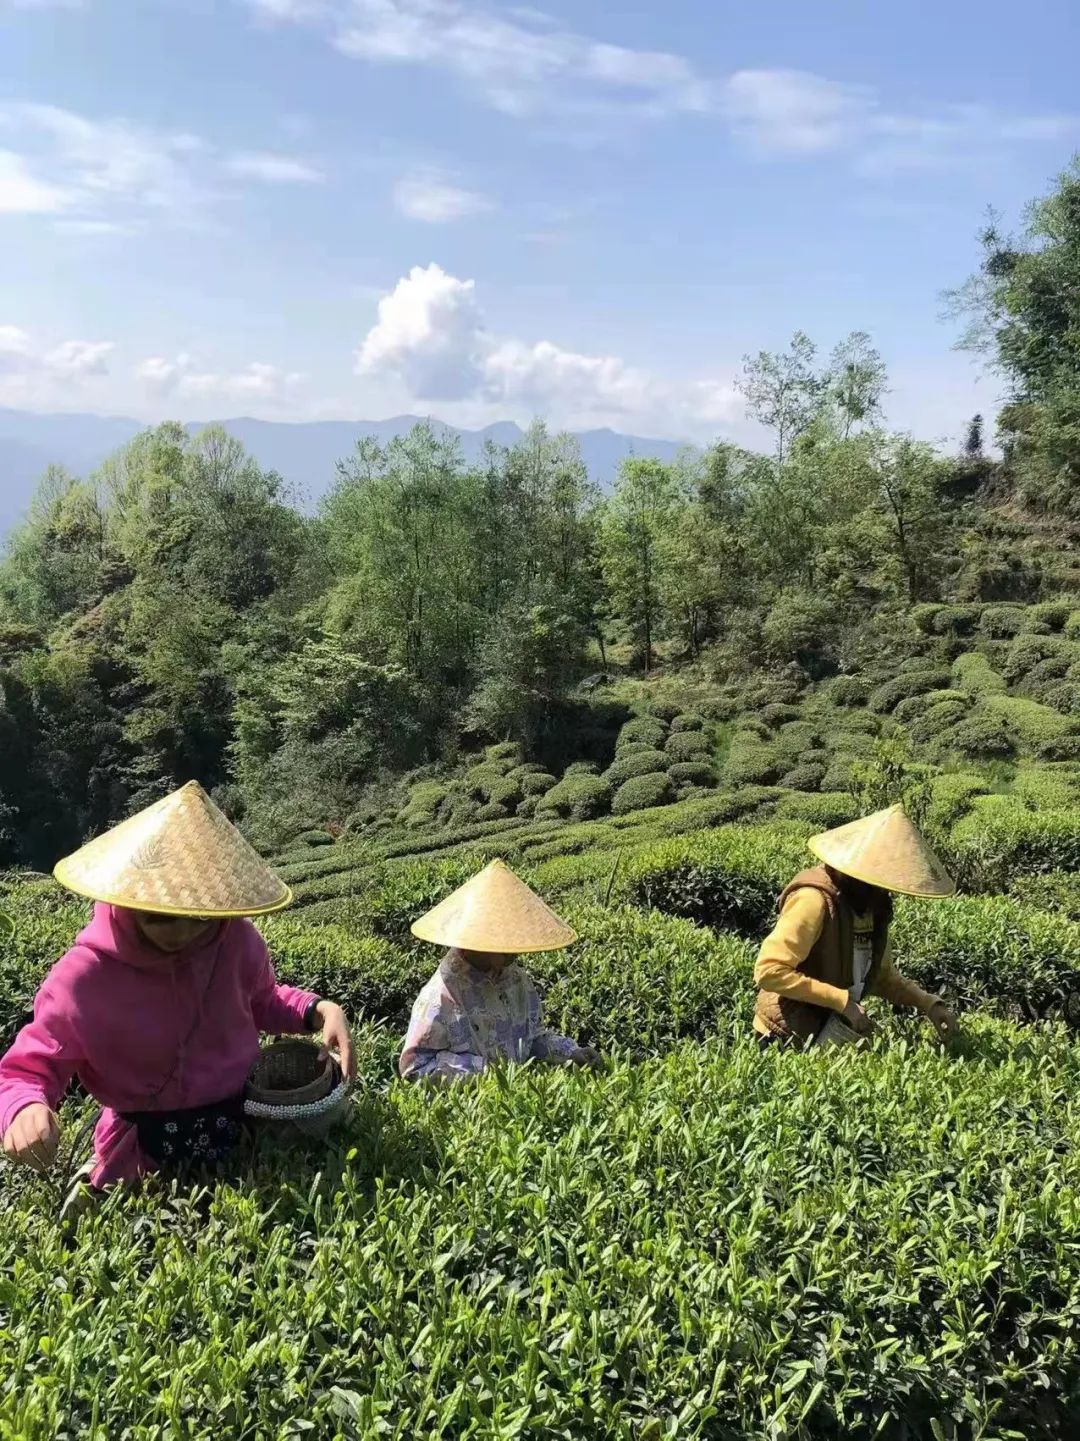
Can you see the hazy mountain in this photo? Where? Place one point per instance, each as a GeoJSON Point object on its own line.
{"type": "Point", "coordinates": [304, 453]}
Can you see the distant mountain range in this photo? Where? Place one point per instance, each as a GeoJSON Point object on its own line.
{"type": "Point", "coordinates": [304, 453]}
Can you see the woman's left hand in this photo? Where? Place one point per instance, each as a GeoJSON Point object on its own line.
{"type": "Point", "coordinates": [946, 1026]}
{"type": "Point", "coordinates": [337, 1036]}
{"type": "Point", "coordinates": [586, 1056]}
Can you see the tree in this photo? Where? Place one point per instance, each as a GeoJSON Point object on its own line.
{"type": "Point", "coordinates": [635, 560]}
{"type": "Point", "coordinates": [857, 377]}
{"type": "Point", "coordinates": [973, 442]}
{"type": "Point", "coordinates": [399, 521]}
{"type": "Point", "coordinates": [530, 658]}
{"type": "Point", "coordinates": [783, 391]}
{"type": "Point", "coordinates": [1023, 311]}
{"type": "Point", "coordinates": [910, 478]}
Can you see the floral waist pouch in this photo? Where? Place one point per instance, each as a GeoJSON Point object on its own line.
{"type": "Point", "coordinates": [203, 1134]}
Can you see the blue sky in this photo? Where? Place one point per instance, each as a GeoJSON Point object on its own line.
{"type": "Point", "coordinates": [351, 208]}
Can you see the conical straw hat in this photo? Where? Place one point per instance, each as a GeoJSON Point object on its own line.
{"type": "Point", "coordinates": [885, 850]}
{"type": "Point", "coordinates": [179, 857]}
{"type": "Point", "coordinates": [495, 912]}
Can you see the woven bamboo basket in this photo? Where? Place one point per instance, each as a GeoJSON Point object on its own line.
{"type": "Point", "coordinates": [294, 1084]}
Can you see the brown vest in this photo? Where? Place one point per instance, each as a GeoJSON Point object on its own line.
{"type": "Point", "coordinates": [832, 960]}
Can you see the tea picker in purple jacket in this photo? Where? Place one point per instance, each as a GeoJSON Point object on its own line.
{"type": "Point", "coordinates": [159, 1005]}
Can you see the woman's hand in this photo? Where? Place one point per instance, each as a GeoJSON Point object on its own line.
{"type": "Point", "coordinates": [946, 1026]}
{"type": "Point", "coordinates": [337, 1036]}
{"type": "Point", "coordinates": [857, 1018]}
{"type": "Point", "coordinates": [586, 1056]}
{"type": "Point", "coordinates": [32, 1137]}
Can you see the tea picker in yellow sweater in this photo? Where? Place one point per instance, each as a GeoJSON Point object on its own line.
{"type": "Point", "coordinates": [830, 946]}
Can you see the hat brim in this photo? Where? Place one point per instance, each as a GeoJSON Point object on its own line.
{"type": "Point", "coordinates": [942, 894]}
{"type": "Point", "coordinates": [208, 913]}
{"type": "Point", "coordinates": [486, 947]}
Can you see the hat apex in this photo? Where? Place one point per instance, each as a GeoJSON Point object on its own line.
{"type": "Point", "coordinates": [885, 849]}
{"type": "Point", "coordinates": [180, 856]}
{"type": "Point", "coordinates": [495, 911]}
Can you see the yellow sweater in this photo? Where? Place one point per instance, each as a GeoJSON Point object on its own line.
{"type": "Point", "coordinates": [790, 942]}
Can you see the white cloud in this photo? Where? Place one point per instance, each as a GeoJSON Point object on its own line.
{"type": "Point", "coordinates": [256, 382]}
{"type": "Point", "coordinates": [109, 176]}
{"type": "Point", "coordinates": [431, 335]}
{"type": "Point", "coordinates": [518, 60]}
{"type": "Point", "coordinates": [525, 64]}
{"type": "Point", "coordinates": [292, 10]}
{"type": "Point", "coordinates": [793, 111]}
{"type": "Point", "coordinates": [33, 372]}
{"type": "Point", "coordinates": [274, 169]}
{"type": "Point", "coordinates": [160, 374]}
{"type": "Point", "coordinates": [24, 193]}
{"type": "Point", "coordinates": [429, 332]}
{"type": "Point", "coordinates": [430, 198]}
{"type": "Point", "coordinates": [95, 227]}
{"type": "Point", "coordinates": [15, 351]}
{"type": "Point", "coordinates": [76, 358]}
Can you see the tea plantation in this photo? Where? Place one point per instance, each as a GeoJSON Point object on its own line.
{"type": "Point", "coordinates": [697, 1241]}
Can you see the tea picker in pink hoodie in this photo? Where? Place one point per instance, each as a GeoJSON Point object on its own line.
{"type": "Point", "coordinates": [159, 1005]}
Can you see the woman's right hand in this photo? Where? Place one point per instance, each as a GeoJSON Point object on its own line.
{"type": "Point", "coordinates": [32, 1137]}
{"type": "Point", "coordinates": [857, 1018]}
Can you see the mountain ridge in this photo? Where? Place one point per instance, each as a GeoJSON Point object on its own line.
{"type": "Point", "coordinates": [304, 453]}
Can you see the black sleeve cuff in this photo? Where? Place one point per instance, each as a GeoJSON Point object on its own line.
{"type": "Point", "coordinates": [311, 1020]}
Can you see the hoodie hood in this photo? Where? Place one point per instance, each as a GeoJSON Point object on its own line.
{"type": "Point", "coordinates": [113, 936]}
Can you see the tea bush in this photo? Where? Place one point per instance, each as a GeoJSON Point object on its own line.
{"type": "Point", "coordinates": [704, 1243]}
{"type": "Point", "coordinates": [686, 746]}
{"type": "Point", "coordinates": [643, 728]}
{"type": "Point", "coordinates": [973, 674]}
{"type": "Point", "coordinates": [805, 777]}
{"type": "Point", "coordinates": [640, 763]}
{"type": "Point", "coordinates": [578, 796]}
{"type": "Point", "coordinates": [643, 791]}
{"type": "Point", "coordinates": [697, 1241]}
{"type": "Point", "coordinates": [695, 773]}
{"type": "Point", "coordinates": [886, 697]}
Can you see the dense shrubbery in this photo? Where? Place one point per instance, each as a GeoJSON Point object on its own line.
{"type": "Point", "coordinates": [652, 789]}
{"type": "Point", "coordinates": [579, 796]}
{"type": "Point", "coordinates": [886, 697]}
{"type": "Point", "coordinates": [694, 773]}
{"type": "Point", "coordinates": [332, 1234]}
{"type": "Point", "coordinates": [637, 763]}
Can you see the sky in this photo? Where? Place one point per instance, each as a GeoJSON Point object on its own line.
{"type": "Point", "coordinates": [589, 211]}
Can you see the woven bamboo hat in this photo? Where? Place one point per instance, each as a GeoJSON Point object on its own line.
{"type": "Point", "coordinates": [179, 857]}
{"type": "Point", "coordinates": [887, 850]}
{"type": "Point", "coordinates": [495, 912]}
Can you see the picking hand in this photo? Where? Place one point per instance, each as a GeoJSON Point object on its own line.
{"type": "Point", "coordinates": [586, 1056]}
{"type": "Point", "coordinates": [857, 1018]}
{"type": "Point", "coordinates": [337, 1036]}
{"type": "Point", "coordinates": [945, 1024]}
{"type": "Point", "coordinates": [32, 1137]}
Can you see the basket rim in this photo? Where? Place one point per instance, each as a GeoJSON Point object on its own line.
{"type": "Point", "coordinates": [310, 1092]}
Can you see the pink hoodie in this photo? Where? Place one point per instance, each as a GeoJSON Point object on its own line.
{"type": "Point", "coordinates": [126, 1018]}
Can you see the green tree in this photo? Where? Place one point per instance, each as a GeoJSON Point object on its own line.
{"type": "Point", "coordinates": [1023, 312]}
{"type": "Point", "coordinates": [784, 391]}
{"type": "Point", "coordinates": [857, 379]}
{"type": "Point", "coordinates": [635, 556]}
